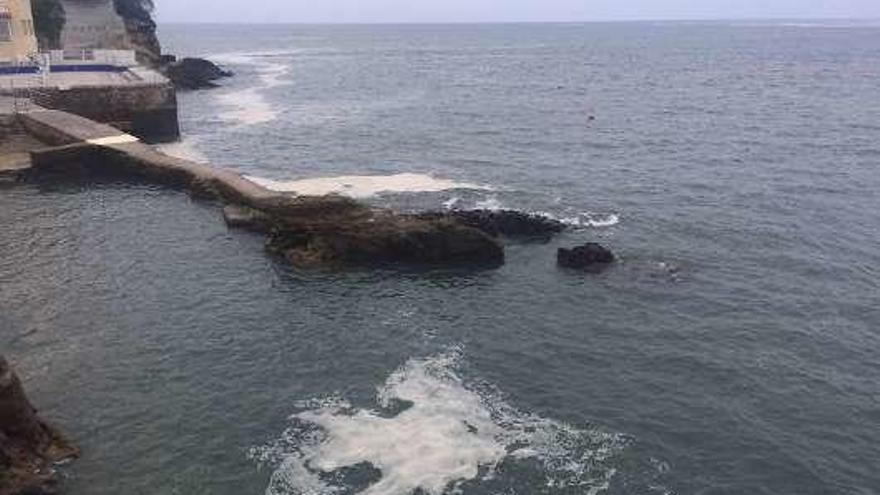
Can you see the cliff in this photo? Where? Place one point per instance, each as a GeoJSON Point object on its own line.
{"type": "Point", "coordinates": [108, 24]}
{"type": "Point", "coordinates": [141, 28]}
{"type": "Point", "coordinates": [28, 445]}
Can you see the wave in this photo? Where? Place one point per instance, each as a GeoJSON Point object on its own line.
{"type": "Point", "coordinates": [432, 433]}
{"type": "Point", "coordinates": [586, 219]}
{"type": "Point", "coordinates": [577, 220]}
{"type": "Point", "coordinates": [249, 106]}
{"type": "Point", "coordinates": [364, 186]}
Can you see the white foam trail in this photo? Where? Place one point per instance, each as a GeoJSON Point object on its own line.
{"type": "Point", "coordinates": [580, 220]}
{"type": "Point", "coordinates": [449, 434]}
{"type": "Point", "coordinates": [249, 106]}
{"type": "Point", "coordinates": [364, 186]}
{"type": "Point", "coordinates": [185, 149]}
{"type": "Point", "coordinates": [588, 220]}
{"type": "Point", "coordinates": [491, 203]}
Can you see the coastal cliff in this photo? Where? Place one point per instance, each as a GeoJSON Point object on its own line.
{"type": "Point", "coordinates": [99, 24]}
{"type": "Point", "coordinates": [28, 445]}
{"type": "Point", "coordinates": [137, 15]}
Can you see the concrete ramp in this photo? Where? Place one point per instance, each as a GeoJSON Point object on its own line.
{"type": "Point", "coordinates": [80, 142]}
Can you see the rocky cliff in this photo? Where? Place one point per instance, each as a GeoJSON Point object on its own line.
{"type": "Point", "coordinates": [141, 28]}
{"type": "Point", "coordinates": [28, 445]}
{"type": "Point", "coordinates": [108, 24]}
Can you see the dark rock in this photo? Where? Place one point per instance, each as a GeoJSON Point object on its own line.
{"type": "Point", "coordinates": [243, 217]}
{"type": "Point", "coordinates": [332, 230]}
{"type": "Point", "coordinates": [588, 256]}
{"type": "Point", "coordinates": [28, 445]}
{"type": "Point", "coordinates": [507, 223]}
{"type": "Point", "coordinates": [195, 73]}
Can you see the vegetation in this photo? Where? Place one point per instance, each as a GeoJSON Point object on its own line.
{"type": "Point", "coordinates": [48, 23]}
{"type": "Point", "coordinates": [136, 10]}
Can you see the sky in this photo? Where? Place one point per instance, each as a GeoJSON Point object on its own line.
{"type": "Point", "coordinates": [394, 11]}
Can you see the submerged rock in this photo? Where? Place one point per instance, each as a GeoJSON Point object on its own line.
{"type": "Point", "coordinates": [588, 256]}
{"type": "Point", "coordinates": [28, 445]}
{"type": "Point", "coordinates": [509, 223]}
{"type": "Point", "coordinates": [195, 73]}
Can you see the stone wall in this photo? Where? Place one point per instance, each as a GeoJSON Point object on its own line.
{"type": "Point", "coordinates": [147, 111]}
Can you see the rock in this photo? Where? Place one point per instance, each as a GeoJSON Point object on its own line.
{"type": "Point", "coordinates": [28, 445]}
{"type": "Point", "coordinates": [243, 217]}
{"type": "Point", "coordinates": [332, 231]}
{"type": "Point", "coordinates": [195, 73]}
{"type": "Point", "coordinates": [507, 223]}
{"type": "Point", "coordinates": [588, 256]}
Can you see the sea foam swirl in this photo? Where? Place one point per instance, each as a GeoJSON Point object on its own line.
{"type": "Point", "coordinates": [431, 432]}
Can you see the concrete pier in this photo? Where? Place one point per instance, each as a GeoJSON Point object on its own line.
{"type": "Point", "coordinates": [317, 231]}
{"type": "Point", "coordinates": [132, 99]}
{"type": "Point", "coordinates": [75, 139]}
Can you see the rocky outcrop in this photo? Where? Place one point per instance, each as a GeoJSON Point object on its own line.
{"type": "Point", "coordinates": [242, 217]}
{"type": "Point", "coordinates": [590, 256]}
{"type": "Point", "coordinates": [508, 223]}
{"type": "Point", "coordinates": [194, 73]}
{"type": "Point", "coordinates": [334, 231]}
{"type": "Point", "coordinates": [28, 445]}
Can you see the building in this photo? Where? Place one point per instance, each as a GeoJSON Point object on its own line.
{"type": "Point", "coordinates": [93, 24]}
{"type": "Point", "coordinates": [96, 74]}
{"type": "Point", "coordinates": [18, 41]}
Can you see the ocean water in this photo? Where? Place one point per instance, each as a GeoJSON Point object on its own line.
{"type": "Point", "coordinates": [732, 350]}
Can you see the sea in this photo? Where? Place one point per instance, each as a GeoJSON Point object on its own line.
{"type": "Point", "coordinates": [734, 348]}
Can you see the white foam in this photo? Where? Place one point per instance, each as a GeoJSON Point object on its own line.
{"type": "Point", "coordinates": [451, 433]}
{"type": "Point", "coordinates": [364, 186]}
{"type": "Point", "coordinates": [491, 203]}
{"type": "Point", "coordinates": [249, 106]}
{"type": "Point", "coordinates": [579, 220]}
{"type": "Point", "coordinates": [586, 219]}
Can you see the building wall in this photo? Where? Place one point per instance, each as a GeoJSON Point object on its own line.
{"type": "Point", "coordinates": [93, 24]}
{"type": "Point", "coordinates": [17, 37]}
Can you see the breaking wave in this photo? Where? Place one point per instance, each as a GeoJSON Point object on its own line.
{"type": "Point", "coordinates": [576, 220]}
{"type": "Point", "coordinates": [433, 433]}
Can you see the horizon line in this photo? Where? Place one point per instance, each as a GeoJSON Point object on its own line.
{"type": "Point", "coordinates": [500, 22]}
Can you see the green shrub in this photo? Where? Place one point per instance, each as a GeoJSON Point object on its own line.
{"type": "Point", "coordinates": [48, 23]}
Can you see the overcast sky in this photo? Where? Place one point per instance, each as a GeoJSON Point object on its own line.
{"type": "Point", "coordinates": [320, 11]}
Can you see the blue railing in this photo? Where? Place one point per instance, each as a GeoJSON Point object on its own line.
{"type": "Point", "coordinates": [33, 69]}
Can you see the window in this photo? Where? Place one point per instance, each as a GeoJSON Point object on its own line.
{"type": "Point", "coordinates": [5, 30]}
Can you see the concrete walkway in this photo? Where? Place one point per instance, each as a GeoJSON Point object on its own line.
{"type": "Point", "coordinates": [79, 139]}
